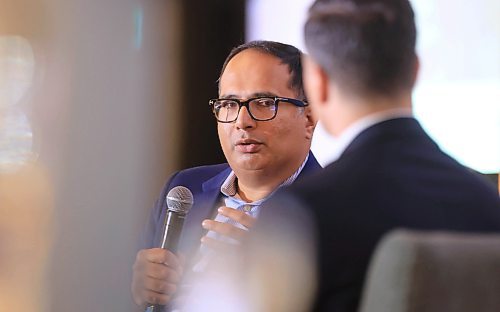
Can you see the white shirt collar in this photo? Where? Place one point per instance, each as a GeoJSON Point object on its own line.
{"type": "Point", "coordinates": [350, 133]}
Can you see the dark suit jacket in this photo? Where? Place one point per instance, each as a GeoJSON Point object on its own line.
{"type": "Point", "coordinates": [205, 183]}
{"type": "Point", "coordinates": [392, 175]}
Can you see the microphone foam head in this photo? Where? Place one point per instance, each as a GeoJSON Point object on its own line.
{"type": "Point", "coordinates": [180, 199]}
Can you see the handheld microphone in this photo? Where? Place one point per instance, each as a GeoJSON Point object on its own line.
{"type": "Point", "coordinates": [179, 201]}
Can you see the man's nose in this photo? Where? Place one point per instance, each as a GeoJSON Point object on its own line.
{"type": "Point", "coordinates": [244, 120]}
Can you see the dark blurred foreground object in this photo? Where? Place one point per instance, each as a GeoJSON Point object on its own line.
{"type": "Point", "coordinates": [434, 271]}
{"type": "Point", "coordinates": [359, 76]}
{"type": "Point", "coordinates": [493, 178]}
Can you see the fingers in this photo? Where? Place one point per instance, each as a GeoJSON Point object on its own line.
{"type": "Point", "coordinates": [156, 292]}
{"type": "Point", "coordinates": [159, 255]}
{"type": "Point", "coordinates": [149, 297]}
{"type": "Point", "coordinates": [160, 286]}
{"type": "Point", "coordinates": [156, 273]}
{"type": "Point", "coordinates": [225, 229]}
{"type": "Point", "coordinates": [158, 264]}
{"type": "Point", "coordinates": [161, 272]}
{"type": "Point", "coordinates": [238, 216]}
{"type": "Point", "coordinates": [216, 244]}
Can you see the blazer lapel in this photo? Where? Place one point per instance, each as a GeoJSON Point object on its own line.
{"type": "Point", "coordinates": [311, 166]}
{"type": "Point", "coordinates": [203, 208]}
{"type": "Point", "coordinates": [205, 202]}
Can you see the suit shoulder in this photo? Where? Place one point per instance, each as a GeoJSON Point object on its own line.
{"type": "Point", "coordinates": [201, 172]}
{"type": "Point", "coordinates": [193, 177]}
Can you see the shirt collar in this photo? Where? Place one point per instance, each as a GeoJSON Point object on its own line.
{"type": "Point", "coordinates": [351, 132]}
{"type": "Point", "coordinates": [230, 187]}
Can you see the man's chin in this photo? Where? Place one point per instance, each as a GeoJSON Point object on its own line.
{"type": "Point", "coordinates": [252, 161]}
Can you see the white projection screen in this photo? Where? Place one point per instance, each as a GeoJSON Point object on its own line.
{"type": "Point", "coordinates": [457, 97]}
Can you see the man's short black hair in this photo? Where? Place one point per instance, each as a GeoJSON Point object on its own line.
{"type": "Point", "coordinates": [365, 46]}
{"type": "Point", "coordinates": [288, 55]}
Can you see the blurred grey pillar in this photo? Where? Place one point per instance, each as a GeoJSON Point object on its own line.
{"type": "Point", "coordinates": [120, 141]}
{"type": "Point", "coordinates": [104, 109]}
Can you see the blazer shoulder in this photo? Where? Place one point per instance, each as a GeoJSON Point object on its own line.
{"type": "Point", "coordinates": [200, 173]}
{"type": "Point", "coordinates": [194, 177]}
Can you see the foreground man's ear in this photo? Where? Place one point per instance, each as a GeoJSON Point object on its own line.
{"type": "Point", "coordinates": [311, 122]}
{"type": "Point", "coordinates": [316, 84]}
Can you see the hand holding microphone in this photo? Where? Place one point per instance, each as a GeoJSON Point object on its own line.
{"type": "Point", "coordinates": [157, 271]}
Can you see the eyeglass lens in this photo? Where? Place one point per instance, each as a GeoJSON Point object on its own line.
{"type": "Point", "coordinates": [260, 109]}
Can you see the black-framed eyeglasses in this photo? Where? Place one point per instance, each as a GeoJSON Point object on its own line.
{"type": "Point", "coordinates": [261, 108]}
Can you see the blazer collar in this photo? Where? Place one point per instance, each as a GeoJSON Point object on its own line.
{"type": "Point", "coordinates": [399, 127]}
{"type": "Point", "coordinates": [311, 166]}
{"type": "Point", "coordinates": [205, 202]}
{"type": "Point", "coordinates": [203, 208]}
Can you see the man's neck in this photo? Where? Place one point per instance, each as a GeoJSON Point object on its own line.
{"type": "Point", "coordinates": [250, 194]}
{"type": "Point", "coordinates": [258, 184]}
{"type": "Point", "coordinates": [348, 110]}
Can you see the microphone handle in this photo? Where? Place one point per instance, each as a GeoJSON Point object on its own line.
{"type": "Point", "coordinates": [153, 308]}
{"type": "Point", "coordinates": [174, 222]}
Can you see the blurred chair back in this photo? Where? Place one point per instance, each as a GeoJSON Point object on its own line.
{"type": "Point", "coordinates": [434, 271]}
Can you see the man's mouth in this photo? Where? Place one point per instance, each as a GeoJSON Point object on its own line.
{"type": "Point", "coordinates": [248, 145]}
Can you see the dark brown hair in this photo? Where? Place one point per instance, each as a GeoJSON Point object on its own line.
{"type": "Point", "coordinates": [288, 55]}
{"type": "Point", "coordinates": [365, 46]}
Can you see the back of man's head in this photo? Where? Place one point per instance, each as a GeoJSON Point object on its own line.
{"type": "Point", "coordinates": [366, 47]}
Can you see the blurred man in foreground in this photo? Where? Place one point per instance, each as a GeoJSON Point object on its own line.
{"type": "Point", "coordinates": [359, 78]}
{"type": "Point", "coordinates": [265, 129]}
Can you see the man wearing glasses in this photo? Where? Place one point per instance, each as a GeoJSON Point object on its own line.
{"type": "Point", "coordinates": [265, 128]}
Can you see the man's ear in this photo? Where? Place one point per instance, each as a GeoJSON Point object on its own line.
{"type": "Point", "coordinates": [416, 70]}
{"type": "Point", "coordinates": [311, 122]}
{"type": "Point", "coordinates": [316, 83]}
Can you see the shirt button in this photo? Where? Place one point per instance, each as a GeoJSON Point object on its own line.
{"type": "Point", "coordinates": [247, 208]}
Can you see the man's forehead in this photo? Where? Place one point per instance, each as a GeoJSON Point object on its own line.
{"type": "Point", "coordinates": [253, 73]}
{"type": "Point", "coordinates": [248, 95]}
{"type": "Point", "coordinates": [254, 62]}
{"type": "Point", "coordinates": [256, 86]}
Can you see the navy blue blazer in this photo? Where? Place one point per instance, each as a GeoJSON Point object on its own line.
{"type": "Point", "coordinates": [205, 183]}
{"type": "Point", "coordinates": [391, 176]}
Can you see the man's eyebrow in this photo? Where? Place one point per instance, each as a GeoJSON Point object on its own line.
{"type": "Point", "coordinates": [229, 96]}
{"type": "Point", "coordinates": [260, 94]}
{"type": "Point", "coordinates": [253, 95]}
